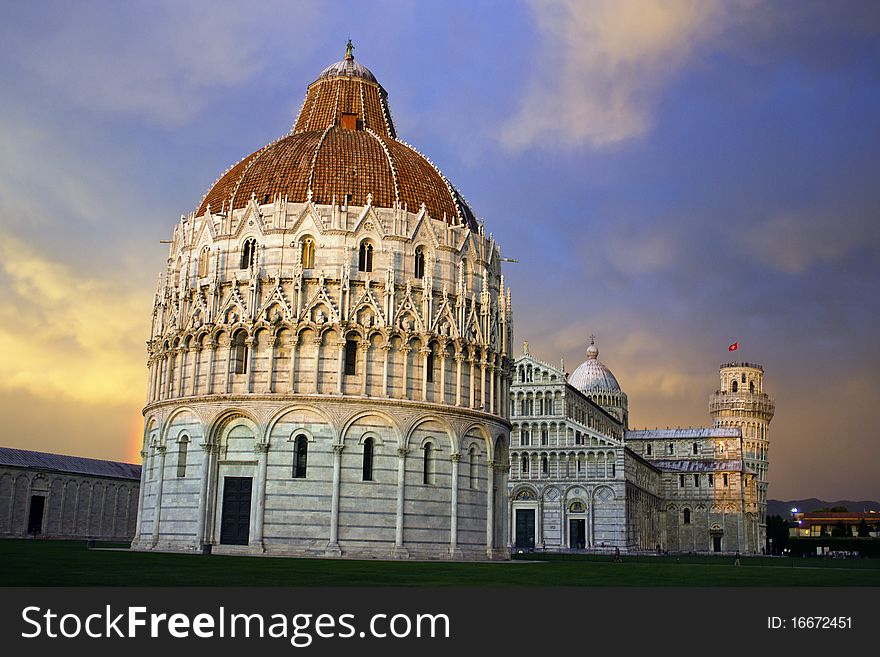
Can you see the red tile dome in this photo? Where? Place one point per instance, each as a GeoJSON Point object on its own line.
{"type": "Point", "coordinates": [343, 143]}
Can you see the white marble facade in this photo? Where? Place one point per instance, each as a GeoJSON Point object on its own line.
{"type": "Point", "coordinates": [582, 480]}
{"type": "Point", "coordinates": [244, 360]}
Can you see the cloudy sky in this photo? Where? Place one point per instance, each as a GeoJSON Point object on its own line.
{"type": "Point", "coordinates": [672, 176]}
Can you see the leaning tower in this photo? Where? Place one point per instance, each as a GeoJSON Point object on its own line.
{"type": "Point", "coordinates": [741, 402]}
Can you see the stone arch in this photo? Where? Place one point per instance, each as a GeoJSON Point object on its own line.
{"type": "Point", "coordinates": [453, 442]}
{"type": "Point", "coordinates": [387, 417]}
{"type": "Point", "coordinates": [603, 494]}
{"type": "Point", "coordinates": [169, 422]}
{"type": "Point", "coordinates": [304, 408]}
{"type": "Point", "coordinates": [228, 419]}
{"type": "Point", "coordinates": [484, 433]}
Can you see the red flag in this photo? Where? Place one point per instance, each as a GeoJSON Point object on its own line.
{"type": "Point", "coordinates": [733, 347]}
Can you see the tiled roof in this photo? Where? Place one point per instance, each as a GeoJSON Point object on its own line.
{"type": "Point", "coordinates": [22, 458]}
{"type": "Point", "coordinates": [684, 465]}
{"type": "Point", "coordinates": [334, 155]}
{"type": "Point", "coordinates": [694, 432]}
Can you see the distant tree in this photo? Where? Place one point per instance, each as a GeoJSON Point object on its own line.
{"type": "Point", "coordinates": [840, 530]}
{"type": "Point", "coordinates": [832, 509]}
{"type": "Point", "coordinates": [777, 530]}
{"type": "Point", "coordinates": [863, 529]}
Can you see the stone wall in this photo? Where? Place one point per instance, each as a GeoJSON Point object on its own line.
{"type": "Point", "coordinates": [75, 506]}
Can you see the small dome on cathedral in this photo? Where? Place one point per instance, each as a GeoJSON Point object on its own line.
{"type": "Point", "coordinates": [592, 375]}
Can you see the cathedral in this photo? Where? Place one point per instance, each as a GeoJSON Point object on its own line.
{"type": "Point", "coordinates": [581, 479]}
{"type": "Point", "coordinates": [329, 352]}
{"type": "Point", "coordinates": [330, 373]}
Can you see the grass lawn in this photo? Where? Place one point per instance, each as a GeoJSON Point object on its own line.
{"type": "Point", "coordinates": [70, 563]}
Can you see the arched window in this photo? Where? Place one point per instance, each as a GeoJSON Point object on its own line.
{"type": "Point", "coordinates": [308, 253]}
{"type": "Point", "coordinates": [734, 387]}
{"type": "Point", "coordinates": [649, 450]}
{"type": "Point", "coordinates": [204, 258]}
{"type": "Point", "coordinates": [545, 437]}
{"type": "Point", "coordinates": [239, 353]}
{"type": "Point", "coordinates": [472, 478]}
{"type": "Point", "coordinates": [426, 464]}
{"type": "Point", "coordinates": [525, 465]}
{"type": "Point", "coordinates": [429, 364]}
{"type": "Point", "coordinates": [248, 251]}
{"type": "Point", "coordinates": [525, 438]}
{"type": "Point", "coordinates": [351, 357]}
{"type": "Point", "coordinates": [687, 516]}
{"type": "Point", "coordinates": [545, 466]}
{"type": "Point", "coordinates": [743, 377]}
{"type": "Point", "coordinates": [182, 444]}
{"type": "Point", "coordinates": [671, 448]}
{"type": "Point", "coordinates": [751, 386]}
{"type": "Point", "coordinates": [696, 448]}
{"type": "Point", "coordinates": [420, 262]}
{"type": "Point", "coordinates": [368, 459]}
{"type": "Point", "coordinates": [365, 256]}
{"type": "Point", "coordinates": [300, 456]}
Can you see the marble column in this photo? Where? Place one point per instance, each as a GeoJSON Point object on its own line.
{"type": "Point", "coordinates": [251, 344]}
{"type": "Point", "coordinates": [405, 351]}
{"type": "Point", "coordinates": [258, 503]}
{"type": "Point", "coordinates": [492, 383]}
{"type": "Point", "coordinates": [202, 517]}
{"type": "Point", "coordinates": [181, 366]}
{"type": "Point", "coordinates": [490, 508]}
{"type": "Point", "coordinates": [591, 529]}
{"type": "Point", "coordinates": [425, 352]}
{"type": "Point", "coordinates": [294, 348]}
{"type": "Point", "coordinates": [227, 386]}
{"type": "Point", "coordinates": [399, 548]}
{"type": "Point", "coordinates": [454, 551]}
{"type": "Point", "coordinates": [363, 356]}
{"type": "Point", "coordinates": [212, 365]}
{"type": "Point", "coordinates": [160, 451]}
{"type": "Point", "coordinates": [386, 350]}
{"type": "Point", "coordinates": [483, 365]}
{"type": "Point", "coordinates": [441, 398]}
{"type": "Point", "coordinates": [472, 389]}
{"type": "Point", "coordinates": [340, 367]}
{"type": "Point", "coordinates": [316, 341]}
{"type": "Point", "coordinates": [196, 352]}
{"type": "Point", "coordinates": [459, 358]}
{"type": "Point", "coordinates": [333, 546]}
{"type": "Point", "coordinates": [271, 341]}
{"type": "Point", "coordinates": [166, 378]}
{"type": "Point", "coordinates": [141, 492]}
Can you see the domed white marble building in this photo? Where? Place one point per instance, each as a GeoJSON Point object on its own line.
{"type": "Point", "coordinates": [328, 359]}
{"type": "Point", "coordinates": [597, 382]}
{"type": "Point", "coordinates": [581, 479]}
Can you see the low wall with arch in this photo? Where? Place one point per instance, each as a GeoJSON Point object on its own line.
{"type": "Point", "coordinates": [325, 476]}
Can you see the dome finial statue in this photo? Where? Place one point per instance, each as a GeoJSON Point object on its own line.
{"type": "Point", "coordinates": [348, 48]}
{"type": "Point", "coordinates": [592, 350]}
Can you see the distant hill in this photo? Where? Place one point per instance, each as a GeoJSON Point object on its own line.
{"type": "Point", "coordinates": [783, 508]}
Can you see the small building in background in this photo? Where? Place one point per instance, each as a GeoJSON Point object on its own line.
{"type": "Point", "coordinates": [843, 524]}
{"type": "Point", "coordinates": [58, 496]}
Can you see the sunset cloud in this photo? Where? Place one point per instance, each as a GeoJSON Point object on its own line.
{"type": "Point", "coordinates": [64, 333]}
{"type": "Point", "coordinates": [168, 68]}
{"type": "Point", "coordinates": [602, 66]}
